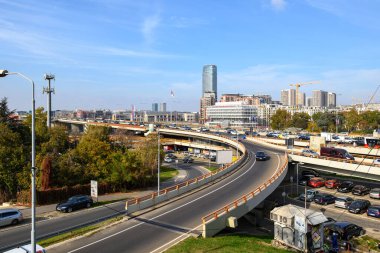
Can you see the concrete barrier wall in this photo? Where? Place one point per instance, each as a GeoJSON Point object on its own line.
{"type": "Point", "coordinates": [217, 221]}
{"type": "Point", "coordinates": [345, 168]}
{"type": "Point", "coordinates": [171, 192]}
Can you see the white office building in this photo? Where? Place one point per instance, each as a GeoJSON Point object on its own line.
{"type": "Point", "coordinates": [235, 114]}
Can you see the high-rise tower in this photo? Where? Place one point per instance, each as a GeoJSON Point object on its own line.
{"type": "Point", "coordinates": [209, 80]}
{"type": "Point", "coordinates": [209, 90]}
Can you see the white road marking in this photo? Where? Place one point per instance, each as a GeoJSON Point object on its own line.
{"type": "Point", "coordinates": [162, 214]}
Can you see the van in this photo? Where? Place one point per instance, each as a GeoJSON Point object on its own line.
{"type": "Point", "coordinates": [336, 153]}
{"type": "Point", "coordinates": [10, 216]}
{"type": "Point", "coordinates": [27, 249]}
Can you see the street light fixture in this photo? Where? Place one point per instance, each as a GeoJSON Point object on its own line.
{"type": "Point", "coordinates": [4, 73]}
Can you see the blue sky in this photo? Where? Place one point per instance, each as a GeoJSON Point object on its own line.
{"type": "Point", "coordinates": [115, 53]}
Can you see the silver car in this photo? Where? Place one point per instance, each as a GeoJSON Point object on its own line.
{"type": "Point", "coordinates": [343, 202]}
{"type": "Point", "coordinates": [310, 153]}
{"type": "Point", "coordinates": [375, 193]}
{"type": "Point", "coordinates": [10, 216]}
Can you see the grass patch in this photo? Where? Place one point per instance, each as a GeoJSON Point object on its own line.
{"type": "Point", "coordinates": [211, 168]}
{"type": "Point", "coordinates": [76, 232]}
{"type": "Point", "coordinates": [366, 243]}
{"type": "Point", "coordinates": [221, 244]}
{"type": "Point", "coordinates": [167, 173]}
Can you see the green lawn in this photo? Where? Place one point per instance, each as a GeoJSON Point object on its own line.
{"type": "Point", "coordinates": [226, 244]}
{"type": "Point", "coordinates": [211, 168]}
{"type": "Point", "coordinates": [167, 173]}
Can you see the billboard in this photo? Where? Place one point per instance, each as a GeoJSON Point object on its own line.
{"type": "Point", "coordinates": [223, 156]}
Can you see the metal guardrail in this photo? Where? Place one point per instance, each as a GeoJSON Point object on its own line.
{"type": "Point", "coordinates": [246, 197]}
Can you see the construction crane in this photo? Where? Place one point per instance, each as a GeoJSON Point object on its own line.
{"type": "Point", "coordinates": [373, 95]}
{"type": "Point", "coordinates": [298, 85]}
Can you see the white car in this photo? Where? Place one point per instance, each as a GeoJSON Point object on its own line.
{"type": "Point", "coordinates": [168, 159]}
{"type": "Point", "coordinates": [376, 161]}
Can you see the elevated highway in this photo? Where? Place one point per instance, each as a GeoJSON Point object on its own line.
{"type": "Point", "coordinates": [158, 227]}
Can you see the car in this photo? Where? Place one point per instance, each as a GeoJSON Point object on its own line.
{"type": "Point", "coordinates": [316, 182]}
{"type": "Point", "coordinates": [376, 161]}
{"type": "Point", "coordinates": [168, 159]}
{"type": "Point", "coordinates": [10, 216]}
{"type": "Point", "coordinates": [261, 156]}
{"type": "Point", "coordinates": [332, 184]}
{"type": "Point", "coordinates": [304, 180]}
{"type": "Point", "coordinates": [74, 203]}
{"type": "Point", "coordinates": [270, 135]}
{"type": "Point", "coordinates": [359, 206]}
{"type": "Point", "coordinates": [310, 173]}
{"type": "Point", "coordinates": [375, 193]}
{"type": "Point", "coordinates": [343, 202]}
{"type": "Point", "coordinates": [339, 153]}
{"type": "Point", "coordinates": [310, 194]}
{"type": "Point", "coordinates": [373, 211]}
{"type": "Point", "coordinates": [188, 159]}
{"type": "Point", "coordinates": [171, 155]}
{"type": "Point", "coordinates": [345, 186]}
{"type": "Point", "coordinates": [360, 190]}
{"type": "Point", "coordinates": [346, 230]}
{"type": "Point", "coordinates": [213, 158]}
{"type": "Point", "coordinates": [304, 137]}
{"type": "Point", "coordinates": [310, 153]}
{"type": "Point", "coordinates": [324, 199]}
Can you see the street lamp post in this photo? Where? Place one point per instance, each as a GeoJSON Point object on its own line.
{"type": "Point", "coordinates": [158, 162]}
{"type": "Point", "coordinates": [237, 144]}
{"type": "Point", "coordinates": [4, 73]}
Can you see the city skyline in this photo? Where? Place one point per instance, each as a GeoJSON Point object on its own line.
{"type": "Point", "coordinates": [116, 54]}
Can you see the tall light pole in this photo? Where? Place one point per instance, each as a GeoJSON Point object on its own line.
{"type": "Point", "coordinates": [158, 161]}
{"type": "Point", "coordinates": [48, 90]}
{"type": "Point", "coordinates": [4, 73]}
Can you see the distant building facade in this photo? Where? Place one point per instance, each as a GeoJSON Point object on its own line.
{"type": "Point", "coordinates": [209, 90]}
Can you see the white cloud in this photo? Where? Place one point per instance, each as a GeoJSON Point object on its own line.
{"type": "Point", "coordinates": [149, 26]}
{"type": "Point", "coordinates": [278, 4]}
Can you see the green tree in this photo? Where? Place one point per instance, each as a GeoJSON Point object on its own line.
{"type": "Point", "coordinates": [351, 120]}
{"type": "Point", "coordinates": [313, 127]}
{"type": "Point", "coordinates": [280, 120]}
{"type": "Point", "coordinates": [324, 120]}
{"type": "Point", "coordinates": [300, 120]}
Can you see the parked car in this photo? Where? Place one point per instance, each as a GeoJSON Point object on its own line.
{"type": "Point", "coordinates": [324, 199]}
{"type": "Point", "coordinates": [360, 190]}
{"type": "Point", "coordinates": [188, 159]}
{"type": "Point", "coordinates": [359, 206]}
{"type": "Point", "coordinates": [373, 211]}
{"type": "Point", "coordinates": [375, 193]}
{"type": "Point", "coordinates": [332, 184]}
{"type": "Point", "coordinates": [304, 180]}
{"type": "Point", "coordinates": [376, 161]}
{"type": "Point", "coordinates": [10, 216]}
{"type": "Point", "coordinates": [346, 230]}
{"type": "Point", "coordinates": [168, 159]}
{"type": "Point", "coordinates": [310, 173]}
{"type": "Point", "coordinates": [304, 137]}
{"type": "Point", "coordinates": [316, 182]}
{"type": "Point", "coordinates": [345, 186]}
{"type": "Point", "coordinates": [74, 203]}
{"type": "Point", "coordinates": [336, 153]}
{"type": "Point", "coordinates": [343, 202]}
{"type": "Point", "coordinates": [261, 156]}
{"type": "Point", "coordinates": [310, 194]}
{"type": "Point", "coordinates": [310, 153]}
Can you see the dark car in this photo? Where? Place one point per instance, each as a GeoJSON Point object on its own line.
{"type": "Point", "coordinates": [360, 190]}
{"type": "Point", "coordinates": [74, 203]}
{"type": "Point", "coordinates": [304, 180]}
{"type": "Point", "coordinates": [304, 137]}
{"type": "Point", "coordinates": [346, 230]}
{"type": "Point", "coordinates": [310, 172]}
{"type": "Point", "coordinates": [345, 186]}
{"type": "Point", "coordinates": [261, 156]}
{"type": "Point", "coordinates": [324, 199]}
{"type": "Point", "coordinates": [359, 206]}
{"type": "Point", "coordinates": [374, 211]}
{"type": "Point", "coordinates": [270, 135]}
{"type": "Point", "coordinates": [188, 159]}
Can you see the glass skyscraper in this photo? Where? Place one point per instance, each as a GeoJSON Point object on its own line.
{"type": "Point", "coordinates": [209, 80]}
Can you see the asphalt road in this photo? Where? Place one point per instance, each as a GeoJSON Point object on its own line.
{"type": "Point", "coordinates": [12, 236]}
{"type": "Point", "coordinates": [157, 229]}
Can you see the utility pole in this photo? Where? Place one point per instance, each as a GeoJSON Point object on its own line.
{"type": "Point", "coordinates": [48, 90]}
